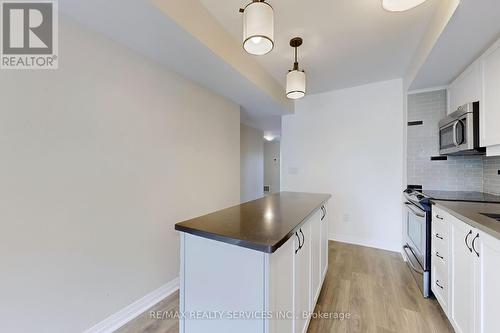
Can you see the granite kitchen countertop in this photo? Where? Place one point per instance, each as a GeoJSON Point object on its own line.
{"type": "Point", "coordinates": [263, 224]}
{"type": "Point", "coordinates": [470, 213]}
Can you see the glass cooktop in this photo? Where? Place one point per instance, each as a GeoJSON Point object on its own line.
{"type": "Point", "coordinates": [462, 196]}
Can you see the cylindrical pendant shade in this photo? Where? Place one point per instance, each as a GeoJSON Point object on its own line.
{"type": "Point", "coordinates": [258, 28]}
{"type": "Point", "coordinates": [400, 5]}
{"type": "Point", "coordinates": [295, 84]}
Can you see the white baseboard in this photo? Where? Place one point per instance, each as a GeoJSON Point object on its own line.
{"type": "Point", "coordinates": [128, 313]}
{"type": "Point", "coordinates": [364, 242]}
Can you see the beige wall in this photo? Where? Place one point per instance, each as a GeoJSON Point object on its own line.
{"type": "Point", "coordinates": [99, 159]}
{"type": "Point", "coordinates": [252, 163]}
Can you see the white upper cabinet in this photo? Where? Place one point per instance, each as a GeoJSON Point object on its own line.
{"type": "Point", "coordinates": [493, 150]}
{"type": "Point", "coordinates": [466, 88]}
{"type": "Point", "coordinates": [481, 82]}
{"type": "Point", "coordinates": [490, 115]}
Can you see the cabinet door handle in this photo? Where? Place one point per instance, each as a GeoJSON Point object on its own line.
{"type": "Point", "coordinates": [439, 217]}
{"type": "Point", "coordinates": [439, 256]}
{"type": "Point", "coordinates": [466, 241]}
{"type": "Point", "coordinates": [324, 213]}
{"type": "Point", "coordinates": [439, 236]}
{"type": "Point", "coordinates": [474, 245]}
{"type": "Point", "coordinates": [303, 238]}
{"type": "Point", "coordinates": [297, 249]}
{"type": "Point", "coordinates": [440, 286]}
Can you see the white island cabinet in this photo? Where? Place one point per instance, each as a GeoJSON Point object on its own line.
{"type": "Point", "coordinates": [253, 281]}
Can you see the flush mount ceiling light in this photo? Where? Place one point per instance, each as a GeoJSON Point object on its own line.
{"type": "Point", "coordinates": [268, 138]}
{"type": "Point", "coordinates": [400, 5]}
{"type": "Point", "coordinates": [258, 27]}
{"type": "Point", "coordinates": [295, 79]}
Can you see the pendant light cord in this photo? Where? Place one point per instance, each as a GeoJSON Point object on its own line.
{"type": "Point", "coordinates": [295, 64]}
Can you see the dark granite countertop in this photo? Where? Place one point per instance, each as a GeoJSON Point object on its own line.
{"type": "Point", "coordinates": [470, 213]}
{"type": "Point", "coordinates": [263, 224]}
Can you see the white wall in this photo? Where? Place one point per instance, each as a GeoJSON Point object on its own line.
{"type": "Point", "coordinates": [99, 160]}
{"type": "Point", "coordinates": [350, 143]}
{"type": "Point", "coordinates": [272, 165]}
{"type": "Point", "coordinates": [251, 163]}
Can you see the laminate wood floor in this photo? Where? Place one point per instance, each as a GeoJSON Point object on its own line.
{"type": "Point", "coordinates": [374, 287]}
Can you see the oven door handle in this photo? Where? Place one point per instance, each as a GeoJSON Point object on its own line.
{"type": "Point", "coordinates": [410, 207]}
{"type": "Point", "coordinates": [408, 257]}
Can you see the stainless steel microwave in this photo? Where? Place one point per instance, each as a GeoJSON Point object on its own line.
{"type": "Point", "coordinates": [459, 132]}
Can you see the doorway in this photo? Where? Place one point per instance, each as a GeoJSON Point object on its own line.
{"type": "Point", "coordinates": [271, 167]}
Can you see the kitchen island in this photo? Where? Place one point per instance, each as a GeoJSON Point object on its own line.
{"type": "Point", "coordinates": [254, 267]}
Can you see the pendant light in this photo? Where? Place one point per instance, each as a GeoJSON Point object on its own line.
{"type": "Point", "coordinates": [400, 5]}
{"type": "Point", "coordinates": [258, 27]}
{"type": "Point", "coordinates": [295, 79]}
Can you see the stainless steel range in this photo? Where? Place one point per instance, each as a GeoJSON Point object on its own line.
{"type": "Point", "coordinates": [417, 238]}
{"type": "Point", "coordinates": [417, 228]}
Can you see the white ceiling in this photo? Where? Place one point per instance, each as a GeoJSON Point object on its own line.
{"type": "Point", "coordinates": [346, 42]}
{"type": "Point", "coordinates": [143, 27]}
{"type": "Point", "coordinates": [474, 26]}
{"type": "Point", "coordinates": [270, 125]}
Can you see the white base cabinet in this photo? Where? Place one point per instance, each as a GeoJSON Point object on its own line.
{"type": "Point", "coordinates": [315, 264]}
{"type": "Point", "coordinates": [323, 244]}
{"type": "Point", "coordinates": [302, 283]}
{"type": "Point", "coordinates": [462, 277]}
{"type": "Point", "coordinates": [470, 293]}
{"type": "Point", "coordinates": [227, 281]}
{"type": "Point", "coordinates": [440, 259]}
{"type": "Point", "coordinates": [487, 284]}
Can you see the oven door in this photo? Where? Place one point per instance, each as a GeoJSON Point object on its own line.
{"type": "Point", "coordinates": [416, 236]}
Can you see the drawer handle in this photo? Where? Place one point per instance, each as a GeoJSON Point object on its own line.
{"type": "Point", "coordinates": [439, 217]}
{"type": "Point", "coordinates": [439, 236]}
{"type": "Point", "coordinates": [439, 256]}
{"type": "Point", "coordinates": [467, 241]}
{"type": "Point", "coordinates": [440, 286]}
{"type": "Point", "coordinates": [298, 237]}
{"type": "Point", "coordinates": [474, 245]}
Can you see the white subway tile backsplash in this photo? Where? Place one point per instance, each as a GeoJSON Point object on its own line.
{"type": "Point", "coordinates": [491, 168]}
{"type": "Point", "coordinates": [458, 173]}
